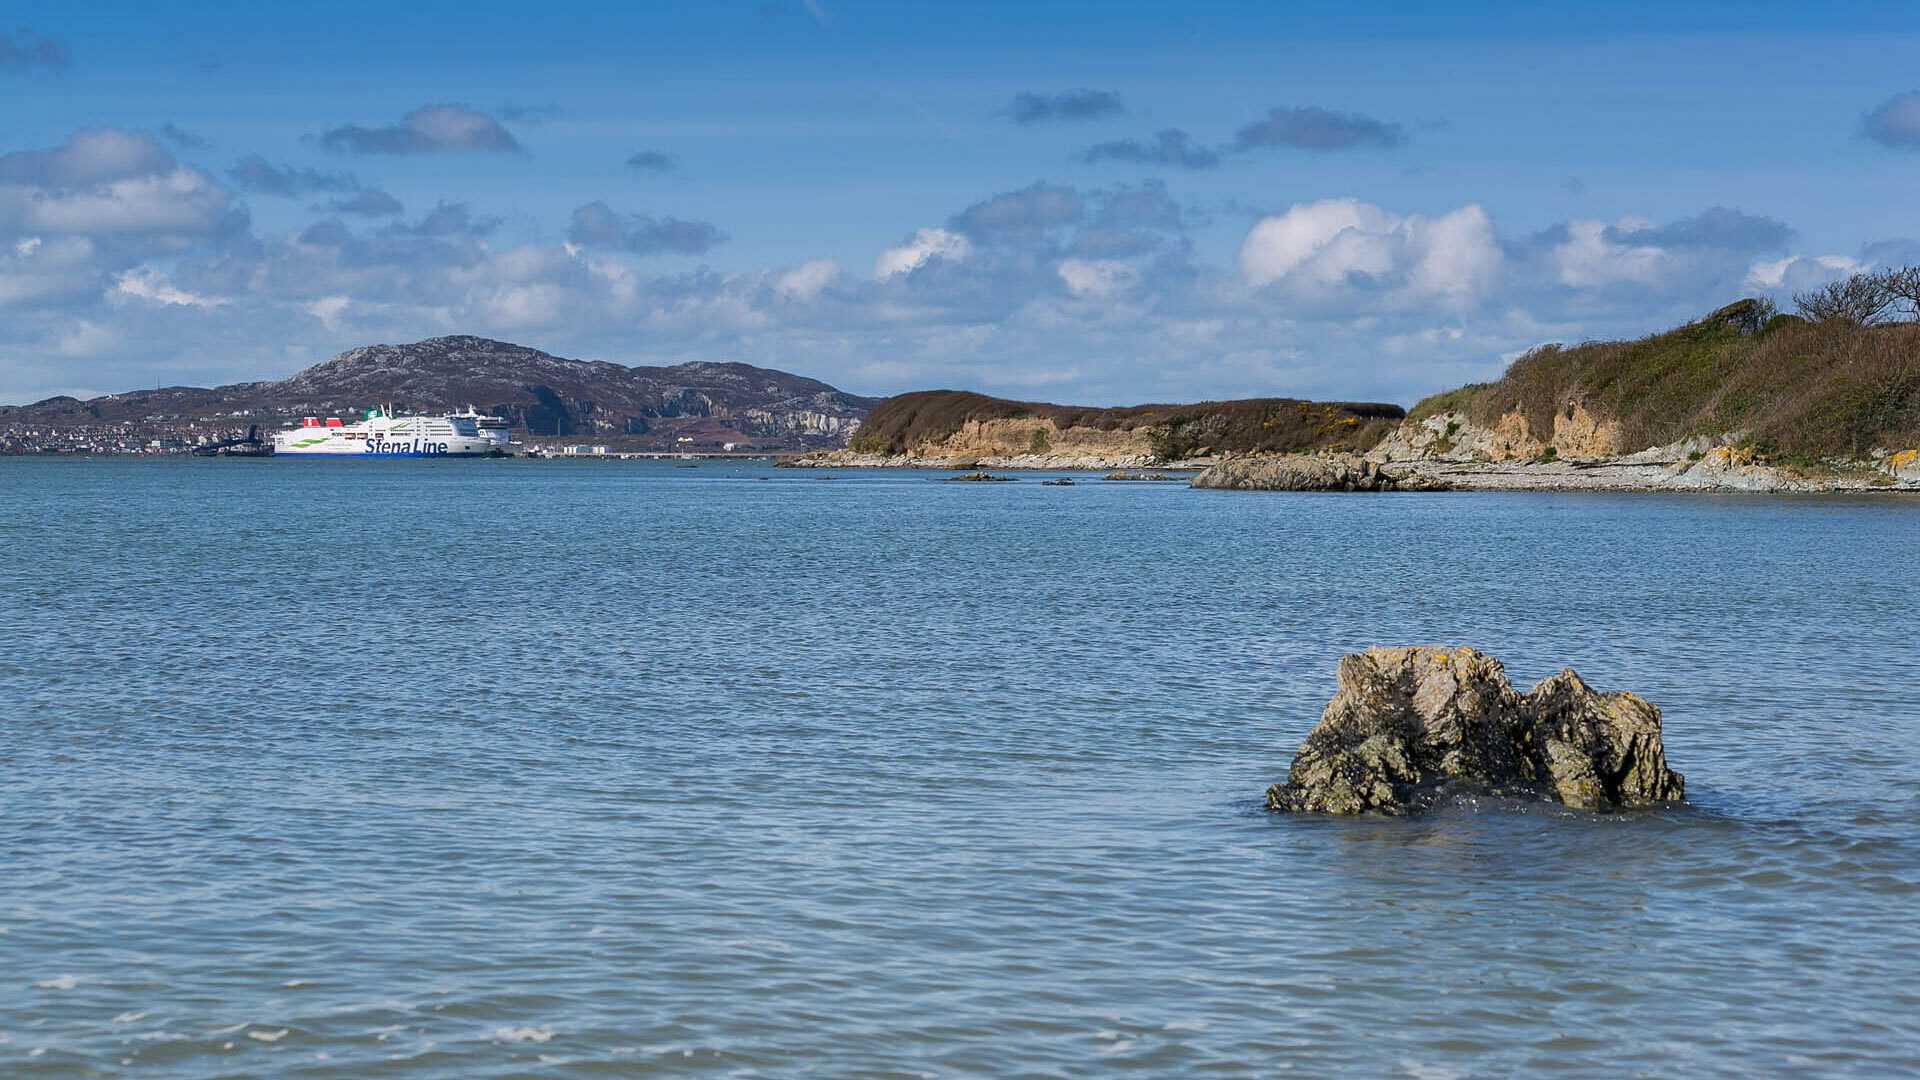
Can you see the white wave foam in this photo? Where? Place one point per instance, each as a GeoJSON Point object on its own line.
{"type": "Point", "coordinates": [523, 1034]}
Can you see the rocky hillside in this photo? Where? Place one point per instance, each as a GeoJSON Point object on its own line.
{"type": "Point", "coordinates": [1775, 386]}
{"type": "Point", "coordinates": [543, 394]}
{"type": "Point", "coordinates": [949, 423]}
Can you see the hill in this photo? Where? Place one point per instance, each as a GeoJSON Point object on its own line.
{"type": "Point", "coordinates": [943, 422]}
{"type": "Point", "coordinates": [542, 394]}
{"type": "Point", "coordinates": [1789, 389]}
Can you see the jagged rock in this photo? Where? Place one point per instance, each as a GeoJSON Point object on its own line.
{"type": "Point", "coordinates": [1311, 472]}
{"type": "Point", "coordinates": [1403, 721]}
{"type": "Point", "coordinates": [977, 477]}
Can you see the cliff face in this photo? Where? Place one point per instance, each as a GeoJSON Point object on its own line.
{"type": "Point", "coordinates": [1576, 432]}
{"type": "Point", "coordinates": [541, 393]}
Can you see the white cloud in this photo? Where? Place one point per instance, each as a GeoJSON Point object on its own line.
{"type": "Point", "coordinates": [150, 285]}
{"type": "Point", "coordinates": [182, 201]}
{"type": "Point", "coordinates": [1800, 271]}
{"type": "Point", "coordinates": [39, 269]}
{"type": "Point", "coordinates": [1097, 277]}
{"type": "Point", "coordinates": [1896, 121]}
{"type": "Point", "coordinates": [806, 281]}
{"type": "Point", "coordinates": [1589, 257]}
{"type": "Point", "coordinates": [925, 245]}
{"type": "Point", "coordinates": [1278, 246]}
{"type": "Point", "coordinates": [1455, 256]}
{"type": "Point", "coordinates": [86, 339]}
{"type": "Point", "coordinates": [432, 129]}
{"type": "Point", "coordinates": [522, 306]}
{"type": "Point", "coordinates": [328, 310]}
{"type": "Point", "coordinates": [1345, 245]}
{"type": "Point", "coordinates": [89, 156]}
{"type": "Point", "coordinates": [105, 181]}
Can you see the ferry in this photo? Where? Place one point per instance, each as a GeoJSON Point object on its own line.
{"type": "Point", "coordinates": [463, 434]}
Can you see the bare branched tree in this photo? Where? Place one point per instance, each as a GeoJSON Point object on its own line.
{"type": "Point", "coordinates": [1903, 284]}
{"type": "Point", "coordinates": [1861, 299]}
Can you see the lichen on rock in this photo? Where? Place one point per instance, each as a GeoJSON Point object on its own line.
{"type": "Point", "coordinates": [1404, 721]}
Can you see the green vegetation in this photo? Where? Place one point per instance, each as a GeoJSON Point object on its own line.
{"type": "Point", "coordinates": [1039, 443]}
{"type": "Point", "coordinates": [1271, 425]}
{"type": "Point", "coordinates": [1802, 388]}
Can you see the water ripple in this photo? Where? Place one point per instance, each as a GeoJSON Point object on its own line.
{"type": "Point", "coordinates": [566, 769]}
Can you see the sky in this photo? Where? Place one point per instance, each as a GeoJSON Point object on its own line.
{"type": "Point", "coordinates": [1099, 203]}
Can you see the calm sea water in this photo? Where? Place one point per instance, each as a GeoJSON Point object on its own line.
{"type": "Point", "coordinates": [476, 769]}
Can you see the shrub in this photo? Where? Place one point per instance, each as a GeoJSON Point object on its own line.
{"type": "Point", "coordinates": [1860, 299]}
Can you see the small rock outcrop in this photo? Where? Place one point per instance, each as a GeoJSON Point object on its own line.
{"type": "Point", "coordinates": [1311, 472]}
{"type": "Point", "coordinates": [1406, 720]}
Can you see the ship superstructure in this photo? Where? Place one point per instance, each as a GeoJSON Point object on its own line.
{"type": "Point", "coordinates": [463, 434]}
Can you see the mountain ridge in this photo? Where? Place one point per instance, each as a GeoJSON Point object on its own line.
{"type": "Point", "coordinates": [542, 394]}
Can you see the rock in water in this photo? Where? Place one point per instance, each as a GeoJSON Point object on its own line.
{"type": "Point", "coordinates": [1310, 472]}
{"type": "Point", "coordinates": [1405, 720]}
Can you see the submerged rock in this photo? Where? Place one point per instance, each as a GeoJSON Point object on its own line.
{"type": "Point", "coordinates": [1311, 472]}
{"type": "Point", "coordinates": [978, 477]}
{"type": "Point", "coordinates": [1405, 720]}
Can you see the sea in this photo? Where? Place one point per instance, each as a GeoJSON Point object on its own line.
{"type": "Point", "coordinates": [595, 769]}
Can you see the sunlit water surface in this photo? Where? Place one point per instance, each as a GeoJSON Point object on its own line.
{"type": "Point", "coordinates": [481, 769]}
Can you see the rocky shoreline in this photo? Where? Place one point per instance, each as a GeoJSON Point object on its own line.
{"type": "Point", "coordinates": [1711, 469]}
{"type": "Point", "coordinates": [1720, 469]}
{"type": "Point", "coordinates": [848, 459]}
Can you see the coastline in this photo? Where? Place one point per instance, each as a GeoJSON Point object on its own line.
{"type": "Point", "coordinates": [848, 459]}
{"type": "Point", "coordinates": [1628, 475]}
{"type": "Point", "coordinates": [1718, 470]}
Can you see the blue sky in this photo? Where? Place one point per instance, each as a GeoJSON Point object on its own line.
{"type": "Point", "coordinates": [1197, 200]}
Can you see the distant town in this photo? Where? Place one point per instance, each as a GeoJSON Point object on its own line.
{"type": "Point", "coordinates": [162, 436]}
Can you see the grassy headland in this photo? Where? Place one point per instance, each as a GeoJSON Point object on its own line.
{"type": "Point", "coordinates": [1796, 390]}
{"type": "Point", "coordinates": [953, 419]}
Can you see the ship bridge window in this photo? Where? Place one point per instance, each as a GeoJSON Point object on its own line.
{"type": "Point", "coordinates": [463, 426]}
